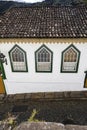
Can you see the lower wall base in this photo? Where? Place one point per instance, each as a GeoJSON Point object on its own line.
{"type": "Point", "coordinates": [41, 87]}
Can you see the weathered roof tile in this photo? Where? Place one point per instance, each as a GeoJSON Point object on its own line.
{"type": "Point", "coordinates": [53, 21]}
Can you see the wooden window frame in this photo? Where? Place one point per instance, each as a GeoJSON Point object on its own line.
{"type": "Point", "coordinates": [25, 61]}
{"type": "Point", "coordinates": [77, 61]}
{"type": "Point", "coordinates": [51, 60]}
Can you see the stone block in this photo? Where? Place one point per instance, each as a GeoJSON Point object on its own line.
{"type": "Point", "coordinates": [37, 95]}
{"type": "Point", "coordinates": [27, 95]}
{"type": "Point", "coordinates": [40, 126]}
{"type": "Point", "coordinates": [85, 94]}
{"type": "Point", "coordinates": [67, 94]}
{"type": "Point", "coordinates": [76, 94]}
{"type": "Point", "coordinates": [58, 95]}
{"type": "Point", "coordinates": [75, 127]}
{"type": "Point", "coordinates": [9, 97]}
{"type": "Point", "coordinates": [49, 95]}
{"type": "Point", "coordinates": [2, 96]}
{"type": "Point", "coordinates": [19, 96]}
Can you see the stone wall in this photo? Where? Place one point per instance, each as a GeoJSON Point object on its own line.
{"type": "Point", "coordinates": [48, 126]}
{"type": "Point", "coordinates": [41, 126]}
{"type": "Point", "coordinates": [46, 96]}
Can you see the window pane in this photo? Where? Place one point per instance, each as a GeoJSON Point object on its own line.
{"type": "Point", "coordinates": [43, 56]}
{"type": "Point", "coordinates": [19, 66]}
{"type": "Point", "coordinates": [17, 55]}
{"type": "Point", "coordinates": [43, 66]}
{"type": "Point", "coordinates": [43, 59]}
{"type": "Point", "coordinates": [70, 56]}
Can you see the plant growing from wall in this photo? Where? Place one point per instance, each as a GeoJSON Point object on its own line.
{"type": "Point", "coordinates": [32, 117]}
{"type": "Point", "coordinates": [10, 121]}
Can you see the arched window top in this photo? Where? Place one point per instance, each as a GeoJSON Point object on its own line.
{"type": "Point", "coordinates": [18, 55]}
{"type": "Point", "coordinates": [70, 55]}
{"type": "Point", "coordinates": [70, 59]}
{"type": "Point", "coordinates": [43, 55]}
{"type": "Point", "coordinates": [43, 59]}
{"type": "Point", "coordinates": [16, 47]}
{"type": "Point", "coordinates": [44, 48]}
{"type": "Point", "coordinates": [18, 59]}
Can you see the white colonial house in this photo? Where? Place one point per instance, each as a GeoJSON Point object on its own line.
{"type": "Point", "coordinates": [45, 48]}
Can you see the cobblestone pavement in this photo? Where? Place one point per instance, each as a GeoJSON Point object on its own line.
{"type": "Point", "coordinates": [64, 111]}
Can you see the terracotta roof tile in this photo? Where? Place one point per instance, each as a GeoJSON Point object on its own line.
{"type": "Point", "coordinates": [53, 21]}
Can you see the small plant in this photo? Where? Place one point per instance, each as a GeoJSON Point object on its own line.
{"type": "Point", "coordinates": [11, 120]}
{"type": "Point", "coordinates": [32, 117]}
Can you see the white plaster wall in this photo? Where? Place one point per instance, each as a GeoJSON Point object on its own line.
{"type": "Point", "coordinates": [31, 81]}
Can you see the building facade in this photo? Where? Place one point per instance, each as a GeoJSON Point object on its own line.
{"type": "Point", "coordinates": [46, 49]}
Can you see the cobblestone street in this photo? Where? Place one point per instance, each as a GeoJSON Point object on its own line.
{"type": "Point", "coordinates": [64, 111]}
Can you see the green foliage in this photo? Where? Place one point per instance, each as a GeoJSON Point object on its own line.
{"type": "Point", "coordinates": [11, 120]}
{"type": "Point", "coordinates": [32, 117]}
